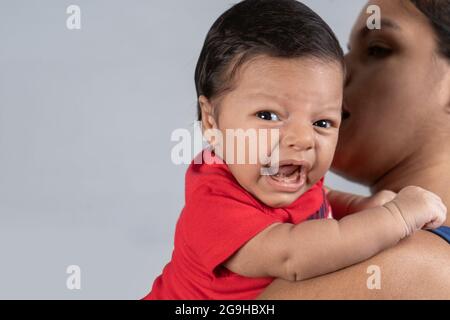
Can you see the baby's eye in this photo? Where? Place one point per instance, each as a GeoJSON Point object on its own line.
{"type": "Point", "coordinates": [323, 124]}
{"type": "Point", "coordinates": [268, 116]}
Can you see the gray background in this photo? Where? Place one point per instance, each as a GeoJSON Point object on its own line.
{"type": "Point", "coordinates": [85, 124]}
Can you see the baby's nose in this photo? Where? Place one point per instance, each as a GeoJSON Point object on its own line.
{"type": "Point", "coordinates": [297, 136]}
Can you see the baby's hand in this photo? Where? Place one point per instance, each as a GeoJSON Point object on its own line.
{"type": "Point", "coordinates": [376, 200]}
{"type": "Point", "coordinates": [419, 209]}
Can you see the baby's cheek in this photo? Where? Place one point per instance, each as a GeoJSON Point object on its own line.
{"type": "Point", "coordinates": [322, 165]}
{"type": "Point", "coordinates": [326, 151]}
{"type": "Point", "coordinates": [246, 174]}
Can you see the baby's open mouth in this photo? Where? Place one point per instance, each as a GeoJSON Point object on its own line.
{"type": "Point", "coordinates": [288, 174]}
{"type": "Point", "coordinates": [291, 176]}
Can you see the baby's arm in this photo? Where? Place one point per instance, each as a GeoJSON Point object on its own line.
{"type": "Point", "coordinates": [343, 203]}
{"type": "Point", "coordinates": [313, 248]}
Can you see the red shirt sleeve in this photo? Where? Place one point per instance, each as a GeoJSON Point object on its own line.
{"type": "Point", "coordinates": [218, 220]}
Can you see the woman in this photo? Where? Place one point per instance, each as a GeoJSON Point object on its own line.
{"type": "Point", "coordinates": [396, 133]}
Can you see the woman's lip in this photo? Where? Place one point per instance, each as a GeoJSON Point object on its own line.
{"type": "Point", "coordinates": [287, 186]}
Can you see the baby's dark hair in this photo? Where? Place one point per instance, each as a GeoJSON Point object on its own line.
{"type": "Point", "coordinates": [276, 28]}
{"type": "Point", "coordinates": [438, 14]}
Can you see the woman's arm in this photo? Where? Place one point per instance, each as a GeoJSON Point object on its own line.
{"type": "Point", "coordinates": [417, 268]}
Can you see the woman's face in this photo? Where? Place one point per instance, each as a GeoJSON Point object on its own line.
{"type": "Point", "coordinates": [395, 93]}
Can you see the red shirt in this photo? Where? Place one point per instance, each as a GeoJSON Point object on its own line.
{"type": "Point", "coordinates": [219, 217]}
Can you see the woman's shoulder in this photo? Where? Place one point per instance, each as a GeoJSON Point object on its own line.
{"type": "Point", "coordinates": [424, 249]}
{"type": "Point", "coordinates": [443, 232]}
{"type": "Point", "coordinates": [418, 267]}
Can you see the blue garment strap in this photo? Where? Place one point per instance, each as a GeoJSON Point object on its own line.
{"type": "Point", "coordinates": [443, 232]}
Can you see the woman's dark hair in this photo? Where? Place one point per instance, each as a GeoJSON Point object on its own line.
{"type": "Point", "coordinates": [438, 13]}
{"type": "Point", "coordinates": [276, 28]}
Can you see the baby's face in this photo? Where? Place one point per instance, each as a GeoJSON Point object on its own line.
{"type": "Point", "coordinates": [302, 99]}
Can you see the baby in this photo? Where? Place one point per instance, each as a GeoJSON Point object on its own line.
{"type": "Point", "coordinates": [275, 65]}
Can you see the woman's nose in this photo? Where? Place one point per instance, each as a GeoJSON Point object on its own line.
{"type": "Point", "coordinates": [298, 137]}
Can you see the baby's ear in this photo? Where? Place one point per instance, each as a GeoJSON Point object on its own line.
{"type": "Point", "coordinates": [208, 120]}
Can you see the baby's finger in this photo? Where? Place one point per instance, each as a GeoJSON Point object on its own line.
{"type": "Point", "coordinates": [435, 196]}
{"type": "Point", "coordinates": [440, 215]}
{"type": "Point", "coordinates": [442, 207]}
{"type": "Point", "coordinates": [434, 224]}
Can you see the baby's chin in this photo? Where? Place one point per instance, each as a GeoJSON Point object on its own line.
{"type": "Point", "coordinates": [279, 199]}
